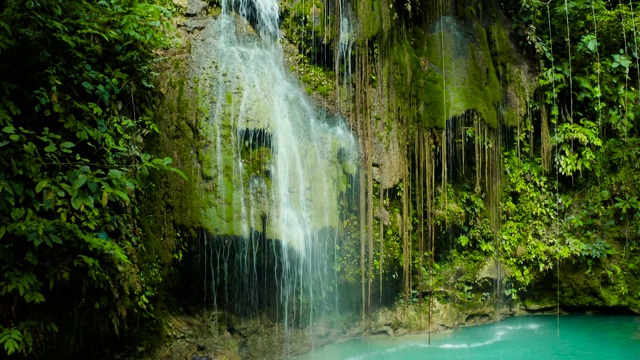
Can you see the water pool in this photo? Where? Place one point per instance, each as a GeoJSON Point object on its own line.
{"type": "Point", "coordinates": [522, 337]}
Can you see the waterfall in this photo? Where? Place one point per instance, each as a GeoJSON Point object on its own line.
{"type": "Point", "coordinates": [276, 169]}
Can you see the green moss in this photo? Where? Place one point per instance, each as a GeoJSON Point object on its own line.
{"type": "Point", "coordinates": [323, 90]}
{"type": "Point", "coordinates": [435, 82]}
{"type": "Point", "coordinates": [501, 50]}
{"type": "Point", "coordinates": [308, 21]}
{"type": "Point", "coordinates": [182, 103]}
{"type": "Point", "coordinates": [316, 78]}
{"type": "Point", "coordinates": [511, 117]}
{"type": "Point", "coordinates": [368, 13]}
{"type": "Point", "coordinates": [172, 206]}
{"type": "Point", "coordinates": [229, 98]}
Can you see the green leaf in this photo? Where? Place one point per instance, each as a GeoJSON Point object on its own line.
{"type": "Point", "coordinates": [3, 230]}
{"type": "Point", "coordinates": [87, 86]}
{"type": "Point", "coordinates": [54, 238]}
{"type": "Point", "coordinates": [46, 241]}
{"type": "Point", "coordinates": [9, 129]}
{"type": "Point", "coordinates": [17, 213]}
{"type": "Point", "coordinates": [79, 181]}
{"type": "Point", "coordinates": [10, 346]}
{"type": "Point", "coordinates": [41, 185]}
{"type": "Point", "coordinates": [5, 335]}
{"type": "Point", "coordinates": [50, 148]}
{"type": "Point", "coordinates": [76, 203]}
{"type": "Point", "coordinates": [67, 145]}
{"type": "Point", "coordinates": [625, 62]}
{"type": "Point", "coordinates": [114, 173]}
{"type": "Point", "coordinates": [123, 195]}
{"type": "Point", "coordinates": [34, 297]}
{"type": "Point", "coordinates": [37, 241]}
{"type": "Point", "coordinates": [92, 186]}
{"type": "Point", "coordinates": [105, 198]}
{"type": "Point", "coordinates": [30, 148]}
{"type": "Point", "coordinates": [177, 171]}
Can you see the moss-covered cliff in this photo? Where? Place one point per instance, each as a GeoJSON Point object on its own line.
{"type": "Point", "coordinates": [460, 112]}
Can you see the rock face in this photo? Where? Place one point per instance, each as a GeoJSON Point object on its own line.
{"type": "Point", "coordinates": [401, 320]}
{"type": "Point", "coordinates": [388, 159]}
{"type": "Point", "coordinates": [196, 337]}
{"type": "Point", "coordinates": [218, 335]}
{"type": "Point", "coordinates": [494, 270]}
{"type": "Point", "coordinates": [191, 7]}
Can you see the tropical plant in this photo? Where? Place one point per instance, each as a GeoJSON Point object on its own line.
{"type": "Point", "coordinates": [76, 103]}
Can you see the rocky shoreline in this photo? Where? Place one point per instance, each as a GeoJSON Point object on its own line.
{"type": "Point", "coordinates": [218, 335]}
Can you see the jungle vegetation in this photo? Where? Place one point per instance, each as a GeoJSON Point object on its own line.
{"type": "Point", "coordinates": [77, 99]}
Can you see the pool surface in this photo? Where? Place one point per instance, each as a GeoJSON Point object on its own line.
{"type": "Point", "coordinates": [522, 337]}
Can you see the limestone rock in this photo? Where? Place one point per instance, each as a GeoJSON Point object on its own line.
{"type": "Point", "coordinates": [383, 215]}
{"type": "Point", "coordinates": [493, 270]}
{"type": "Point", "coordinates": [387, 155]}
{"type": "Point", "coordinates": [191, 7]}
{"type": "Point", "coordinates": [538, 306]}
{"type": "Point", "coordinates": [192, 25]}
{"type": "Point", "coordinates": [181, 3]}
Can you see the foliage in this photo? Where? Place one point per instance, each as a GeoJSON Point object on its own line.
{"type": "Point", "coordinates": [76, 96]}
{"type": "Point", "coordinates": [543, 228]}
{"type": "Point", "coordinates": [590, 85]}
{"type": "Point", "coordinates": [589, 78]}
{"type": "Point", "coordinates": [529, 220]}
{"type": "Point", "coordinates": [309, 27]}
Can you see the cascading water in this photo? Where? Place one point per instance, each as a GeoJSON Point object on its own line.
{"type": "Point", "coordinates": [345, 47]}
{"type": "Point", "coordinates": [276, 169]}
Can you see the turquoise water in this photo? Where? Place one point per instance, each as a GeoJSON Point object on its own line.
{"type": "Point", "coordinates": [523, 337]}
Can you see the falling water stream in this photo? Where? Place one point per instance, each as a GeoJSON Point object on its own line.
{"type": "Point", "coordinates": [277, 169]}
{"type": "Point", "coordinates": [345, 47]}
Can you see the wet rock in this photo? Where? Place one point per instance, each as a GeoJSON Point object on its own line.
{"type": "Point", "coordinates": [383, 330]}
{"type": "Point", "coordinates": [538, 305]}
